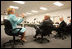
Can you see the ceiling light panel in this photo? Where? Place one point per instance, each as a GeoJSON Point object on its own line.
{"type": "Point", "coordinates": [28, 13]}
{"type": "Point", "coordinates": [15, 7]}
{"type": "Point", "coordinates": [58, 4]}
{"type": "Point", "coordinates": [34, 11]}
{"type": "Point", "coordinates": [43, 8]}
{"type": "Point", "coordinates": [20, 2]}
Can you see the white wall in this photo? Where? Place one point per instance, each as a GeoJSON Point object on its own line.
{"type": "Point", "coordinates": [3, 17]}
{"type": "Point", "coordinates": [31, 31]}
{"type": "Point", "coordinates": [62, 13]}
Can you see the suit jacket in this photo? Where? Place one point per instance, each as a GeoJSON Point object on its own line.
{"type": "Point", "coordinates": [46, 24]}
{"type": "Point", "coordinates": [62, 26]}
{"type": "Point", "coordinates": [68, 28]}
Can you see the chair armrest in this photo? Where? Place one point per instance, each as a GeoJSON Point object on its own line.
{"type": "Point", "coordinates": [19, 30]}
{"type": "Point", "coordinates": [37, 27]}
{"type": "Point", "coordinates": [15, 29]}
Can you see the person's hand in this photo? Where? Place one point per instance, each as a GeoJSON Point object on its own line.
{"type": "Point", "coordinates": [57, 26]}
{"type": "Point", "coordinates": [23, 15]}
{"type": "Point", "coordinates": [17, 15]}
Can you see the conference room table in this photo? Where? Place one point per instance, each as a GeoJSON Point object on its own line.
{"type": "Point", "coordinates": [56, 25]}
{"type": "Point", "coordinates": [32, 25]}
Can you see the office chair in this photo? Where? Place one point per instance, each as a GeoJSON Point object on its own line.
{"type": "Point", "coordinates": [61, 33]}
{"type": "Point", "coordinates": [9, 31]}
{"type": "Point", "coordinates": [42, 33]}
{"type": "Point", "coordinates": [68, 30]}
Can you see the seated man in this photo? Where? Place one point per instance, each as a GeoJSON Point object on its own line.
{"type": "Point", "coordinates": [45, 27]}
{"type": "Point", "coordinates": [61, 28]}
{"type": "Point", "coordinates": [68, 28]}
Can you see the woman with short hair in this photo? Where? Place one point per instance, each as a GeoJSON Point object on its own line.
{"type": "Point", "coordinates": [14, 21]}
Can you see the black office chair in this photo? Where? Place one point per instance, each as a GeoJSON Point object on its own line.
{"type": "Point", "coordinates": [68, 30]}
{"type": "Point", "coordinates": [61, 33]}
{"type": "Point", "coordinates": [9, 31]}
{"type": "Point", "coordinates": [42, 33]}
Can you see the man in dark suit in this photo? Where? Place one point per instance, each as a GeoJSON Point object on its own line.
{"type": "Point", "coordinates": [61, 29]}
{"type": "Point", "coordinates": [45, 27]}
{"type": "Point", "coordinates": [68, 28]}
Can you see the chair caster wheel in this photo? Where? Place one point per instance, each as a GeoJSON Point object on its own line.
{"type": "Point", "coordinates": [41, 42]}
{"type": "Point", "coordinates": [22, 44]}
{"type": "Point", "coordinates": [62, 38]}
{"type": "Point", "coordinates": [4, 46]}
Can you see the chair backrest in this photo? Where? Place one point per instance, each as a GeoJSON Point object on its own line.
{"type": "Point", "coordinates": [8, 27]}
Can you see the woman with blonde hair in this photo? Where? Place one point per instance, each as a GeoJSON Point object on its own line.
{"type": "Point", "coordinates": [14, 21]}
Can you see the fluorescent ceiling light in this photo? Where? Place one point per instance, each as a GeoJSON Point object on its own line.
{"type": "Point", "coordinates": [20, 2]}
{"type": "Point", "coordinates": [34, 11]}
{"type": "Point", "coordinates": [28, 13]}
{"type": "Point", "coordinates": [58, 4]}
{"type": "Point", "coordinates": [43, 8]}
{"type": "Point", "coordinates": [15, 7]}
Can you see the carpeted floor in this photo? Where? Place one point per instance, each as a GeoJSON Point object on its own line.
{"type": "Point", "coordinates": [54, 43]}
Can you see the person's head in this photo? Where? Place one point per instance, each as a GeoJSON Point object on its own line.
{"type": "Point", "coordinates": [70, 20]}
{"type": "Point", "coordinates": [46, 17]}
{"type": "Point", "coordinates": [61, 19]}
{"type": "Point", "coordinates": [10, 11]}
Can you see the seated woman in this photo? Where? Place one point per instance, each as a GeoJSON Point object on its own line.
{"type": "Point", "coordinates": [14, 21]}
